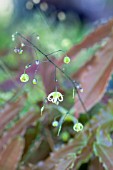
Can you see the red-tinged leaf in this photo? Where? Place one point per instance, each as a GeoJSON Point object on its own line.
{"type": "Point", "coordinates": [85, 154]}
{"type": "Point", "coordinates": [27, 168]}
{"type": "Point", "coordinates": [64, 154]}
{"type": "Point", "coordinates": [68, 163]}
{"type": "Point", "coordinates": [32, 156]}
{"type": "Point", "coordinates": [47, 71]}
{"type": "Point", "coordinates": [94, 77]}
{"type": "Point", "coordinates": [105, 155]}
{"type": "Point", "coordinates": [30, 136]}
{"type": "Point", "coordinates": [15, 81]}
{"type": "Point", "coordinates": [9, 105]}
{"type": "Point", "coordinates": [10, 111]}
{"type": "Point", "coordinates": [103, 132]}
{"type": "Point", "coordinates": [96, 36]}
{"type": "Point", "coordinates": [10, 156]}
{"type": "Point", "coordinates": [95, 164]}
{"type": "Point", "coordinates": [19, 128]}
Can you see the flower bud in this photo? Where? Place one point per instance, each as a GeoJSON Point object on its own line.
{"type": "Point", "coordinates": [24, 78]}
{"type": "Point", "coordinates": [66, 60]}
{"type": "Point", "coordinates": [34, 81]}
{"type": "Point", "coordinates": [55, 123]}
{"type": "Point", "coordinates": [65, 136]}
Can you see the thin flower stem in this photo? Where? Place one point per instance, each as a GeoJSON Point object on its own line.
{"type": "Point", "coordinates": [55, 79]}
{"type": "Point", "coordinates": [55, 52]}
{"type": "Point", "coordinates": [62, 71]}
{"type": "Point", "coordinates": [55, 75]}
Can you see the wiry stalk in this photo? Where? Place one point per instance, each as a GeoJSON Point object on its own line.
{"type": "Point", "coordinates": [62, 71]}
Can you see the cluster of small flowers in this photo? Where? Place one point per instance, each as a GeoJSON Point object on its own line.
{"type": "Point", "coordinates": [54, 97]}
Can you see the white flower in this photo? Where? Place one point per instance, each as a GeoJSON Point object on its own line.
{"type": "Point", "coordinates": [55, 97]}
{"type": "Point", "coordinates": [78, 127]}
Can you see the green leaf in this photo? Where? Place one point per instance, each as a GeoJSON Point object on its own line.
{"type": "Point", "coordinates": [103, 133]}
{"type": "Point", "coordinates": [105, 155]}
{"type": "Point", "coordinates": [103, 137]}
{"type": "Point", "coordinates": [85, 153]}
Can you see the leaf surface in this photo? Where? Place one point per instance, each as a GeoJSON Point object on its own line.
{"type": "Point", "coordinates": [105, 155]}
{"type": "Point", "coordinates": [10, 156]}
{"type": "Point", "coordinates": [19, 128]}
{"type": "Point", "coordinates": [94, 77]}
{"type": "Point", "coordinates": [96, 36]}
{"type": "Point", "coordinates": [10, 111]}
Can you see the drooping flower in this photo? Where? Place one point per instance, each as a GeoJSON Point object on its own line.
{"type": "Point", "coordinates": [66, 60]}
{"type": "Point", "coordinates": [55, 97]}
{"type": "Point", "coordinates": [78, 127]}
{"type": "Point", "coordinates": [24, 78]}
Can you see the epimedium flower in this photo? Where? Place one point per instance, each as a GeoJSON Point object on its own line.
{"type": "Point", "coordinates": [78, 127]}
{"type": "Point", "coordinates": [55, 97]}
{"type": "Point", "coordinates": [24, 78]}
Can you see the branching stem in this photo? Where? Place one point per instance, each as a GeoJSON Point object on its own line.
{"type": "Point", "coordinates": [62, 71]}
